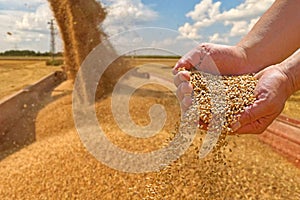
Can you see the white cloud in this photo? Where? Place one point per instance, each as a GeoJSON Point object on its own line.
{"type": "Point", "coordinates": [10, 36]}
{"type": "Point", "coordinates": [27, 28]}
{"type": "Point", "coordinates": [217, 38]}
{"type": "Point", "coordinates": [239, 28]}
{"type": "Point", "coordinates": [20, 5]}
{"type": "Point", "coordinates": [206, 9]}
{"type": "Point", "coordinates": [13, 38]}
{"type": "Point", "coordinates": [21, 2]}
{"type": "Point", "coordinates": [126, 14]}
{"type": "Point", "coordinates": [35, 21]}
{"type": "Point", "coordinates": [128, 10]}
{"type": "Point", "coordinates": [230, 24]}
{"type": "Point", "coordinates": [247, 10]}
{"type": "Point", "coordinates": [189, 31]}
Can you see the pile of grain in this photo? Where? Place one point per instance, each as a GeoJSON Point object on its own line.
{"type": "Point", "coordinates": [57, 166]}
{"type": "Point", "coordinates": [232, 94]}
{"type": "Point", "coordinates": [220, 100]}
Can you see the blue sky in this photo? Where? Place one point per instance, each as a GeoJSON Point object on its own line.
{"type": "Point", "coordinates": [223, 21]}
{"type": "Point", "coordinates": [172, 12]}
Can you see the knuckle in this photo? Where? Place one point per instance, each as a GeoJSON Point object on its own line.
{"type": "Point", "coordinates": [186, 87]}
{"type": "Point", "coordinates": [206, 47]}
{"type": "Point", "coordinates": [177, 80]}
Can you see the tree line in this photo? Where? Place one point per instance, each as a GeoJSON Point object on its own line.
{"type": "Point", "coordinates": [28, 53]}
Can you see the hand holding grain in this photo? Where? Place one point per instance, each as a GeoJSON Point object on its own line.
{"type": "Point", "coordinates": [228, 60]}
{"type": "Point", "coordinates": [272, 91]}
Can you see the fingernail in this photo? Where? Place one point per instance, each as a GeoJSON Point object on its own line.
{"type": "Point", "coordinates": [236, 126]}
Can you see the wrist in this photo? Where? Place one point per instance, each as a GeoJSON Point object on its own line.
{"type": "Point", "coordinates": [251, 63]}
{"type": "Point", "coordinates": [291, 67]}
{"type": "Point", "coordinates": [289, 82]}
{"type": "Point", "coordinates": [243, 64]}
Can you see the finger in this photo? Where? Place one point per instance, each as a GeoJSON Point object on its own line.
{"type": "Point", "coordinates": [179, 94]}
{"type": "Point", "coordinates": [250, 115]}
{"type": "Point", "coordinates": [181, 64]}
{"type": "Point", "coordinates": [181, 77]}
{"type": "Point", "coordinates": [256, 127]}
{"type": "Point", "coordinates": [185, 103]}
{"type": "Point", "coordinates": [184, 96]}
{"type": "Point", "coordinates": [185, 89]}
{"type": "Point", "coordinates": [187, 100]}
{"type": "Point", "coordinates": [184, 108]}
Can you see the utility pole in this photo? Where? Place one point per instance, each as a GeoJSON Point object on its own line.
{"type": "Point", "coordinates": [52, 41]}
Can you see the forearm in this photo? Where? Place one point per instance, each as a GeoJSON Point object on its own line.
{"type": "Point", "coordinates": [275, 36]}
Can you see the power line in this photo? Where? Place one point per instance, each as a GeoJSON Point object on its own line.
{"type": "Point", "coordinates": [52, 41]}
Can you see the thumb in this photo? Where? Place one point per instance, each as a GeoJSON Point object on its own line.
{"type": "Point", "coordinates": [259, 74]}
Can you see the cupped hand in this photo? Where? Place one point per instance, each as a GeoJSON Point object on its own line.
{"type": "Point", "coordinates": [212, 58]}
{"type": "Point", "coordinates": [272, 91]}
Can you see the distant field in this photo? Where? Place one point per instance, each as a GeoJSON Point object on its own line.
{"type": "Point", "coordinates": [163, 61]}
{"type": "Point", "coordinates": [18, 73]}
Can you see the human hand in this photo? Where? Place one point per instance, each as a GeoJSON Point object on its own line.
{"type": "Point", "coordinates": [184, 89]}
{"type": "Point", "coordinates": [272, 91]}
{"type": "Point", "coordinates": [212, 58]}
{"type": "Point", "coordinates": [216, 59]}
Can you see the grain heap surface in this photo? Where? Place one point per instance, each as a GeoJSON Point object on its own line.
{"type": "Point", "coordinates": [58, 166]}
